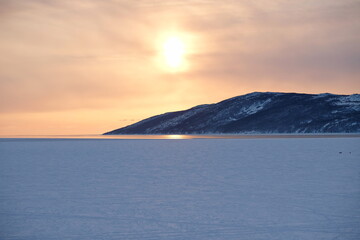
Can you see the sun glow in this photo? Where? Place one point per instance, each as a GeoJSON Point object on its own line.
{"type": "Point", "coordinates": [175, 137]}
{"type": "Point", "coordinates": [174, 51]}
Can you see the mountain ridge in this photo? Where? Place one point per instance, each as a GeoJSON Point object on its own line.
{"type": "Point", "coordinates": [258, 112]}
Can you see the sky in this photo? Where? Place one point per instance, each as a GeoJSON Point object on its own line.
{"type": "Point", "coordinates": [91, 66]}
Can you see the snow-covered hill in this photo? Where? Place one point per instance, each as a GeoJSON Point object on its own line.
{"type": "Point", "coordinates": [259, 112]}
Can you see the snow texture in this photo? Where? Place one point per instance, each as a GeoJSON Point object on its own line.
{"type": "Point", "coordinates": [249, 189]}
{"type": "Point", "coordinates": [352, 102]}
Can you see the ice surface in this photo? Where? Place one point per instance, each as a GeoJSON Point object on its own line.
{"type": "Point", "coordinates": [298, 188]}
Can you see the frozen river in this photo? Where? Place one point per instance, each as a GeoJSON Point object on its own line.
{"type": "Point", "coordinates": [245, 188]}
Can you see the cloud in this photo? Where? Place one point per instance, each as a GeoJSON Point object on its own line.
{"type": "Point", "coordinates": [65, 55]}
{"type": "Point", "coordinates": [59, 55]}
{"type": "Point", "coordinates": [288, 43]}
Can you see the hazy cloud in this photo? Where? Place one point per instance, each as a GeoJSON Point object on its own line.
{"type": "Point", "coordinates": [92, 54]}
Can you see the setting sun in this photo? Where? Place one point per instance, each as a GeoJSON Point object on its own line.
{"type": "Point", "coordinates": [173, 51]}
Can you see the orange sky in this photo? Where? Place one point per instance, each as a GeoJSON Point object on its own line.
{"type": "Point", "coordinates": [90, 66]}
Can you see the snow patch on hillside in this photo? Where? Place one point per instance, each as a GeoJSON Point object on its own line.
{"type": "Point", "coordinates": [233, 113]}
{"type": "Point", "coordinates": [255, 107]}
{"type": "Point", "coordinates": [322, 95]}
{"type": "Point", "coordinates": [176, 120]}
{"type": "Point", "coordinates": [352, 102]}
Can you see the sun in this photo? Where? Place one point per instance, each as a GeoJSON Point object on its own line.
{"type": "Point", "coordinates": [173, 50]}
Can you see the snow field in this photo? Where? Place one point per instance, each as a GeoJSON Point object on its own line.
{"type": "Point", "coordinates": [281, 188]}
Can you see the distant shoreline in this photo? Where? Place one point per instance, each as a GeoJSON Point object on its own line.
{"type": "Point", "coordinates": [182, 136]}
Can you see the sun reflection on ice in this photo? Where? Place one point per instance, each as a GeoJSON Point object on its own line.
{"type": "Point", "coordinates": [175, 137]}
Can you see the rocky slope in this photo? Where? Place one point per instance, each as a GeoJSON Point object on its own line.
{"type": "Point", "coordinates": [258, 112]}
